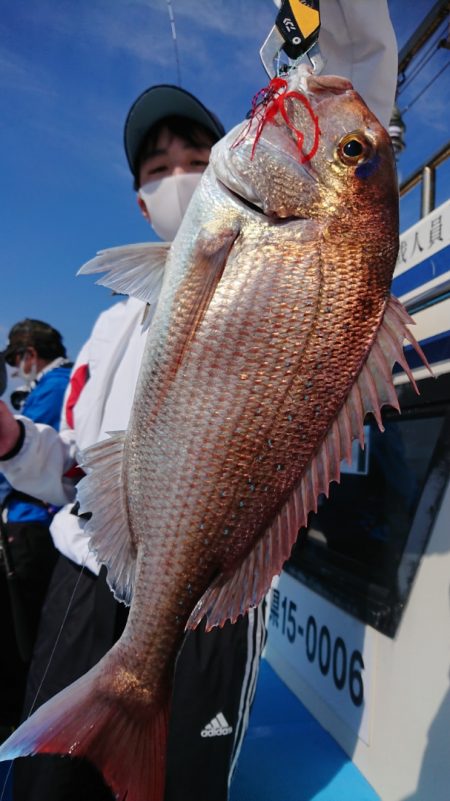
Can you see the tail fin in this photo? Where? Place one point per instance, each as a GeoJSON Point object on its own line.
{"type": "Point", "coordinates": [126, 742]}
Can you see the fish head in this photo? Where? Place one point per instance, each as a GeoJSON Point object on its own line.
{"type": "Point", "coordinates": [312, 150]}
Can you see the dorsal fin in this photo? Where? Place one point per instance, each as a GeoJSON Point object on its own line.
{"type": "Point", "coordinates": [102, 494]}
{"type": "Point", "coordinates": [135, 270]}
{"type": "Point", "coordinates": [229, 597]}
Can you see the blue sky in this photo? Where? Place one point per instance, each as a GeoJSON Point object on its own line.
{"type": "Point", "coordinates": [69, 70]}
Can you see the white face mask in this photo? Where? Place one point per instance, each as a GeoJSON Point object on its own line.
{"type": "Point", "coordinates": [27, 378]}
{"type": "Point", "coordinates": [167, 200]}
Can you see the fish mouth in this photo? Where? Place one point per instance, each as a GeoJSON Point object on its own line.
{"type": "Point", "coordinates": [253, 207]}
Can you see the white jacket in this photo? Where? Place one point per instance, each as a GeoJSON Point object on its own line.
{"type": "Point", "coordinates": [358, 42]}
{"type": "Point", "coordinates": [113, 353]}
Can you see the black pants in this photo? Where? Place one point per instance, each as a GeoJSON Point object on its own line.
{"type": "Point", "coordinates": [33, 557]}
{"type": "Point", "coordinates": [215, 681]}
{"type": "Point", "coordinates": [13, 670]}
{"type": "Point", "coordinates": [214, 685]}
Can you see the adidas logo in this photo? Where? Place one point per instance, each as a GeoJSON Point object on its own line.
{"type": "Point", "coordinates": [218, 727]}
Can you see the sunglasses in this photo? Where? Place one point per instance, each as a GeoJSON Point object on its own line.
{"type": "Point", "coordinates": [11, 358]}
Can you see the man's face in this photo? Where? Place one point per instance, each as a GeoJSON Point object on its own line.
{"type": "Point", "coordinates": [171, 155]}
{"type": "Point", "coordinates": [168, 155]}
{"type": "Point", "coordinates": [25, 360]}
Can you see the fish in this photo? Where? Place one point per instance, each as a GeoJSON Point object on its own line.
{"type": "Point", "coordinates": [273, 335]}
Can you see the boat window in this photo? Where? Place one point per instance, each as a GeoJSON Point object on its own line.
{"type": "Point", "coordinates": [363, 547]}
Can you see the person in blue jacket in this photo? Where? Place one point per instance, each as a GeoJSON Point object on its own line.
{"type": "Point", "coordinates": [37, 352]}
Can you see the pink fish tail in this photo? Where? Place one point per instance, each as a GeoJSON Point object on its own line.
{"type": "Point", "coordinates": [126, 742]}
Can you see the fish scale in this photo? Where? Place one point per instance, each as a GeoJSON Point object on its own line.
{"type": "Point", "coordinates": [176, 425]}
{"type": "Point", "coordinates": [203, 413]}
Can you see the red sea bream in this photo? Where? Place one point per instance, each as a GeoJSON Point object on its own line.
{"type": "Point", "coordinates": [274, 334]}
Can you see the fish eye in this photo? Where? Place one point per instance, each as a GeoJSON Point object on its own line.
{"type": "Point", "coordinates": [354, 148]}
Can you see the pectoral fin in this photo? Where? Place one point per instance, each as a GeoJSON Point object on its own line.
{"type": "Point", "coordinates": [209, 260]}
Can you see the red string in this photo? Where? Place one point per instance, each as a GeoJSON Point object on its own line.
{"type": "Point", "coordinates": [270, 101]}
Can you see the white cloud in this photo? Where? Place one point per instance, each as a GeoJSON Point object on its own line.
{"type": "Point", "coordinates": [20, 73]}
{"type": "Point", "coordinates": [233, 19]}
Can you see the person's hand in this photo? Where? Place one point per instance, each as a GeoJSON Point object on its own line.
{"type": "Point", "coordinates": [9, 430]}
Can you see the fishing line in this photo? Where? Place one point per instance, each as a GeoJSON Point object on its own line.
{"type": "Point", "coordinates": [410, 105]}
{"type": "Point", "coordinates": [58, 636]}
{"type": "Point", "coordinates": [175, 44]}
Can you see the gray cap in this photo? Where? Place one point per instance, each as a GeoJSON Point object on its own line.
{"type": "Point", "coordinates": [163, 100]}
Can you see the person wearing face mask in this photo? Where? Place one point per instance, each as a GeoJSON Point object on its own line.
{"type": "Point", "coordinates": [37, 353]}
